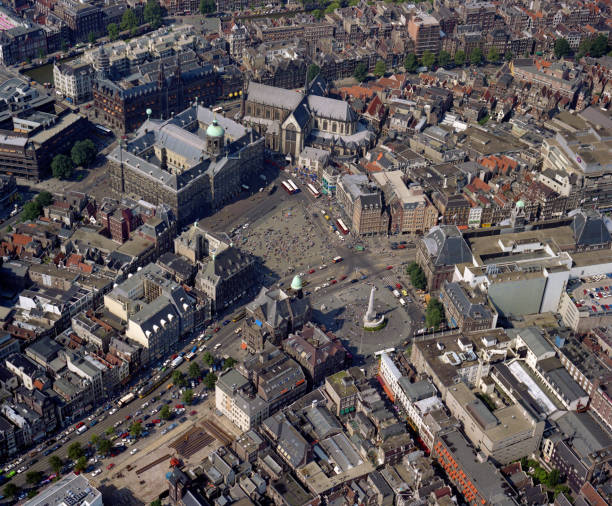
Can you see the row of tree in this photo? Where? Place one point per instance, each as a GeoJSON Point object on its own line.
{"type": "Point", "coordinates": [153, 15]}
{"type": "Point", "coordinates": [594, 47]}
{"type": "Point", "coordinates": [83, 153]}
{"type": "Point", "coordinates": [33, 208]}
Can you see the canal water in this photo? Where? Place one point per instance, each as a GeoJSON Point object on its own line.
{"type": "Point", "coordinates": [44, 73]}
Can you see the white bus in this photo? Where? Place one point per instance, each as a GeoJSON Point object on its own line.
{"type": "Point", "coordinates": [293, 186]}
{"type": "Point", "coordinates": [402, 302]}
{"type": "Point", "coordinates": [286, 187]}
{"type": "Point", "coordinates": [315, 193]}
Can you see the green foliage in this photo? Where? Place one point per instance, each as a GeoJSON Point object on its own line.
{"type": "Point", "coordinates": [562, 48]}
{"type": "Point", "coordinates": [317, 13]}
{"type": "Point", "coordinates": [188, 396]}
{"type": "Point", "coordinates": [32, 493]}
{"type": "Point", "coordinates": [483, 120]}
{"type": "Point", "coordinates": [493, 55]}
{"type": "Point", "coordinates": [83, 152]}
{"type": "Point", "coordinates": [553, 479]}
{"type": "Point", "coordinates": [113, 31]}
{"type": "Point", "coordinates": [128, 20]}
{"type": "Point", "coordinates": [208, 358]}
{"type": "Point", "coordinates": [11, 490]}
{"type": "Point", "coordinates": [210, 380]}
{"type": "Point", "coordinates": [380, 68]}
{"type": "Point", "coordinates": [313, 71]}
{"type": "Point", "coordinates": [332, 7]}
{"type": "Point", "coordinates": [459, 57]}
{"type": "Point", "coordinates": [153, 13]}
{"type": "Point", "coordinates": [508, 55]}
{"type": "Point", "coordinates": [444, 58]}
{"type": "Point", "coordinates": [410, 62]}
{"type": "Point", "coordinates": [104, 446]}
{"type": "Point", "coordinates": [157, 502]}
{"type": "Point", "coordinates": [44, 198]}
{"type": "Point", "coordinates": [81, 464]}
{"type": "Point", "coordinates": [428, 59]}
{"type": "Point", "coordinates": [33, 477]}
{"type": "Point", "coordinates": [229, 363]}
{"type": "Point", "coordinates": [56, 464]}
{"type": "Point", "coordinates": [61, 166]}
{"type": "Point", "coordinates": [164, 413]}
{"type": "Point", "coordinates": [595, 48]}
{"type": "Point", "coordinates": [91, 37]}
{"type": "Point", "coordinates": [110, 431]}
{"type": "Point", "coordinates": [476, 56]}
{"type": "Point", "coordinates": [41, 53]}
{"type": "Point", "coordinates": [194, 370]}
{"type": "Point", "coordinates": [33, 208]}
{"type": "Point", "coordinates": [75, 451]}
{"type": "Point", "coordinates": [207, 6]}
{"type": "Point", "coordinates": [417, 276]}
{"type": "Point", "coordinates": [434, 314]}
{"type": "Point", "coordinates": [361, 71]}
{"type": "Point", "coordinates": [95, 439]}
{"type": "Point", "coordinates": [178, 378]}
{"type": "Point", "coordinates": [136, 429]}
{"type": "Point", "coordinates": [563, 489]}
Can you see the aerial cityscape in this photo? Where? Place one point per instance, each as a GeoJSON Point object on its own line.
{"type": "Point", "coordinates": [310, 253]}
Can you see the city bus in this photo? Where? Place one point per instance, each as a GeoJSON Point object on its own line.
{"type": "Point", "coordinates": [239, 316]}
{"type": "Point", "coordinates": [293, 186]}
{"type": "Point", "coordinates": [337, 259]}
{"type": "Point", "coordinates": [102, 129]}
{"type": "Point", "coordinates": [286, 187]}
{"type": "Point", "coordinates": [343, 228]}
{"type": "Point", "coordinates": [126, 399]}
{"type": "Point", "coordinates": [313, 191]}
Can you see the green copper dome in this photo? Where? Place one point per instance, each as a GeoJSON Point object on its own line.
{"type": "Point", "coordinates": [520, 204]}
{"type": "Point", "coordinates": [296, 284]}
{"type": "Point", "coordinates": [215, 130]}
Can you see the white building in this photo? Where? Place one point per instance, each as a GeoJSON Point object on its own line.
{"type": "Point", "coordinates": [71, 490]}
{"type": "Point", "coordinates": [74, 81]}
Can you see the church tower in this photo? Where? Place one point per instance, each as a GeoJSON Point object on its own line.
{"type": "Point", "coordinates": [215, 136]}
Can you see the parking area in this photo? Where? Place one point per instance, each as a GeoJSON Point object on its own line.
{"type": "Point", "coordinates": [593, 294]}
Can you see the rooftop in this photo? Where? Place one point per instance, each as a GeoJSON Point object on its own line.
{"type": "Point", "coordinates": [71, 490]}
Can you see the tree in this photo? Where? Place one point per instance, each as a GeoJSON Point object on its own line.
{"type": "Point", "coordinates": [110, 431]}
{"type": "Point", "coordinates": [562, 48]}
{"type": "Point", "coordinates": [584, 48]}
{"type": "Point", "coordinates": [178, 378]}
{"type": "Point", "coordinates": [165, 412]}
{"type": "Point", "coordinates": [34, 477]}
{"type": "Point", "coordinates": [64, 45]}
{"type": "Point", "coordinates": [417, 276]}
{"type": "Point", "coordinates": [56, 463]}
{"type": "Point", "coordinates": [44, 198]}
{"type": "Point", "coordinates": [444, 58]}
{"type": "Point", "coordinates": [476, 56]}
{"type": "Point", "coordinates": [136, 429]}
{"type": "Point", "coordinates": [428, 59]}
{"type": "Point", "coordinates": [95, 439]}
{"type": "Point", "coordinates": [81, 464]}
{"type": "Point", "coordinates": [207, 6]}
{"type": "Point", "coordinates": [208, 358]}
{"type": "Point", "coordinates": [210, 380]}
{"type": "Point", "coordinates": [75, 451]}
{"type": "Point", "coordinates": [599, 46]}
{"type": "Point", "coordinates": [410, 62]}
{"type": "Point", "coordinates": [153, 14]}
{"type": "Point", "coordinates": [128, 20]}
{"type": "Point", "coordinates": [104, 446]}
{"type": "Point", "coordinates": [434, 314]}
{"type": "Point", "coordinates": [31, 211]}
{"type": "Point", "coordinates": [83, 152]}
{"type": "Point", "coordinates": [61, 167]}
{"type": "Point", "coordinates": [113, 31]}
{"type": "Point", "coordinates": [188, 396]}
{"type": "Point", "coordinates": [11, 490]}
{"type": "Point", "coordinates": [380, 68]}
{"type": "Point", "coordinates": [493, 55]}
{"type": "Point", "coordinates": [313, 71]}
{"type": "Point", "coordinates": [508, 55]}
{"type": "Point", "coordinates": [157, 502]}
{"type": "Point", "coordinates": [361, 71]}
{"type": "Point", "coordinates": [194, 370]}
{"type": "Point", "coordinates": [460, 57]}
{"type": "Point", "coordinates": [317, 13]}
{"type": "Point", "coordinates": [553, 478]}
{"type": "Point", "coordinates": [332, 7]}
{"type": "Point", "coordinates": [41, 53]}
{"type": "Point", "coordinates": [229, 363]}
{"type": "Point", "coordinates": [91, 37]}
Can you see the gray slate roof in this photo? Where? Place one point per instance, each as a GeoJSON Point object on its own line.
{"type": "Point", "coordinates": [447, 246]}
{"type": "Point", "coordinates": [273, 96]}
{"type": "Point", "coordinates": [589, 228]}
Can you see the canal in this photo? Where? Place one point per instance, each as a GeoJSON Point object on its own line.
{"type": "Point", "coordinates": [44, 73]}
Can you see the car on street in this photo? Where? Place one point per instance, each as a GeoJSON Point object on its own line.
{"type": "Point", "coordinates": [343, 277]}
{"type": "Point", "coordinates": [133, 451]}
{"type": "Point", "coordinates": [193, 412]}
{"type": "Point", "coordinates": [217, 329]}
{"type": "Point", "coordinates": [311, 271]}
{"type": "Point", "coordinates": [226, 322]}
{"type": "Point", "coordinates": [110, 466]}
{"type": "Point", "coordinates": [333, 281]}
{"type": "Point", "coordinates": [96, 472]}
{"type": "Point", "coordinates": [389, 267]}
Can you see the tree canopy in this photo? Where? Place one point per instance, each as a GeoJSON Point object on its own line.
{"type": "Point", "coordinates": [562, 48]}
{"type": "Point", "coordinates": [444, 58]}
{"type": "Point", "coordinates": [188, 396]}
{"type": "Point", "coordinates": [75, 451]}
{"type": "Point", "coordinates": [33, 477]}
{"type": "Point", "coordinates": [104, 446]}
{"type": "Point", "coordinates": [178, 378]}
{"type": "Point", "coordinates": [594, 48]}
{"type": "Point", "coordinates": [229, 362]}
{"type": "Point", "coordinates": [410, 62]}
{"type": "Point", "coordinates": [208, 358]}
{"type": "Point", "coordinates": [210, 380]}
{"type": "Point", "coordinates": [33, 208]}
{"type": "Point", "coordinates": [165, 413]}
{"type": "Point", "coordinates": [476, 56]}
{"type": "Point", "coordinates": [136, 429]}
{"type": "Point", "coordinates": [194, 370]}
{"type": "Point", "coordinates": [61, 166]}
{"type": "Point", "coordinates": [129, 21]}
{"type": "Point", "coordinates": [11, 490]}
{"type": "Point", "coordinates": [493, 55]}
{"type": "Point", "coordinates": [207, 6]}
{"type": "Point", "coordinates": [83, 153]}
{"type": "Point", "coordinates": [113, 31]}
{"type": "Point", "coordinates": [81, 464]}
{"type": "Point", "coordinates": [313, 71]}
{"type": "Point", "coordinates": [361, 72]}
{"type": "Point", "coordinates": [434, 314]}
{"type": "Point", "coordinates": [56, 463]}
{"type": "Point", "coordinates": [428, 59]}
{"type": "Point", "coordinates": [417, 276]}
{"type": "Point", "coordinates": [380, 68]}
{"type": "Point", "coordinates": [153, 13]}
{"type": "Point", "coordinates": [459, 57]}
